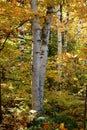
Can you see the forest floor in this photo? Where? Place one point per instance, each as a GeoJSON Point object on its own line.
{"type": "Point", "coordinates": [16, 114]}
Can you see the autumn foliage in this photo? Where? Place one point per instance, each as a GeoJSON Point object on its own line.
{"type": "Point", "coordinates": [65, 88]}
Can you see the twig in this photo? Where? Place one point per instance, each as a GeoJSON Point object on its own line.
{"type": "Point", "coordinates": [4, 42]}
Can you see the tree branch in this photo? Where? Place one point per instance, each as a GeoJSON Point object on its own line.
{"type": "Point", "coordinates": [22, 22]}
{"type": "Point", "coordinates": [4, 42]}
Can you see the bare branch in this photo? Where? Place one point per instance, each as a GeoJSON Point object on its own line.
{"type": "Point", "coordinates": [3, 44]}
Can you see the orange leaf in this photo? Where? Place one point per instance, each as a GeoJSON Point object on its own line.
{"type": "Point", "coordinates": [46, 125]}
{"type": "Point", "coordinates": [56, 125]}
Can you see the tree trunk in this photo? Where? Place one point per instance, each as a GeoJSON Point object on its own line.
{"type": "Point", "coordinates": [85, 109]}
{"type": "Point", "coordinates": [36, 58]}
{"type": "Point", "coordinates": [66, 29]}
{"type": "Point", "coordinates": [0, 96]}
{"type": "Point", "coordinates": [40, 54]}
{"type": "Point", "coordinates": [44, 51]}
{"type": "Point", "coordinates": [79, 27]}
{"type": "Point", "coordinates": [59, 15]}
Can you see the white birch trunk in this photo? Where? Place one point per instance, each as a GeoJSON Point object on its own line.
{"type": "Point", "coordinates": [36, 58]}
{"type": "Point", "coordinates": [59, 15]}
{"type": "Point", "coordinates": [66, 27]}
{"type": "Point", "coordinates": [44, 52]}
{"type": "Point", "coordinates": [39, 62]}
{"type": "Point", "coordinates": [79, 27]}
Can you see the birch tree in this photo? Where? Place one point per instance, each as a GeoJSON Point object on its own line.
{"type": "Point", "coordinates": [79, 27]}
{"type": "Point", "coordinates": [59, 16]}
{"type": "Point", "coordinates": [44, 51]}
{"type": "Point", "coordinates": [40, 53]}
{"type": "Point", "coordinates": [36, 57]}
{"type": "Point", "coordinates": [66, 26]}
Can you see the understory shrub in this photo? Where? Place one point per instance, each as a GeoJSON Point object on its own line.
{"type": "Point", "coordinates": [49, 123]}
